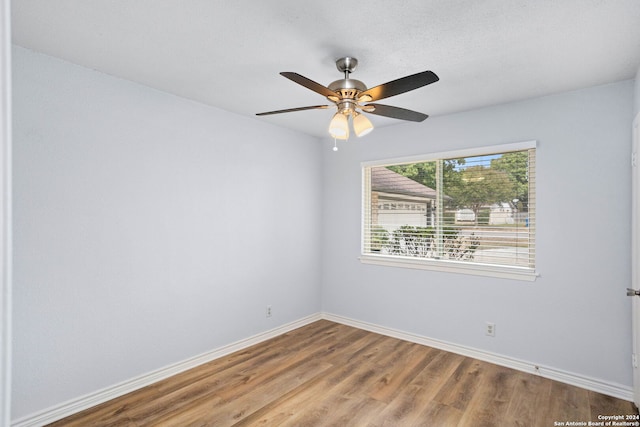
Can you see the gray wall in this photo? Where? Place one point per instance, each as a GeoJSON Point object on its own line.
{"type": "Point", "coordinates": [148, 229]}
{"type": "Point", "coordinates": [575, 317]}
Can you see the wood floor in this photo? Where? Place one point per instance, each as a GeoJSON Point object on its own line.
{"type": "Point", "coordinates": [328, 374]}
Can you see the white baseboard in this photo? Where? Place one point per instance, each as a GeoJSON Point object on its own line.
{"type": "Point", "coordinates": [74, 406]}
{"type": "Point", "coordinates": [84, 402]}
{"type": "Point", "coordinates": [611, 389]}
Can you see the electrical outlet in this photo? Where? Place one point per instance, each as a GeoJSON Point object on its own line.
{"type": "Point", "coordinates": [268, 311]}
{"type": "Point", "coordinates": [490, 329]}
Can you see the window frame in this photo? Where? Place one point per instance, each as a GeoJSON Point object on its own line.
{"type": "Point", "coordinates": [464, 267]}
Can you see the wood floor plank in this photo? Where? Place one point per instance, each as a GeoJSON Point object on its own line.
{"type": "Point", "coordinates": [398, 372]}
{"type": "Point", "coordinates": [438, 371]}
{"type": "Point", "coordinates": [531, 393]}
{"type": "Point", "coordinates": [437, 414]}
{"type": "Point", "coordinates": [405, 408]}
{"type": "Point", "coordinates": [329, 374]}
{"type": "Point", "coordinates": [567, 403]}
{"type": "Point", "coordinates": [490, 398]}
{"type": "Point", "coordinates": [353, 365]}
{"type": "Point", "coordinates": [414, 404]}
{"type": "Point", "coordinates": [226, 409]}
{"type": "Point", "coordinates": [346, 381]}
{"type": "Point", "coordinates": [461, 386]}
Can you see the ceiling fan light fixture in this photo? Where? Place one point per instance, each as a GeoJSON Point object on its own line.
{"type": "Point", "coordinates": [339, 126]}
{"type": "Point", "coordinates": [362, 125]}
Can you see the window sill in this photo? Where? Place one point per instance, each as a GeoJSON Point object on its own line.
{"type": "Point", "coordinates": [503, 272]}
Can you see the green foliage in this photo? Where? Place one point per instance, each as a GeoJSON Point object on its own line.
{"type": "Point", "coordinates": [421, 242]}
{"type": "Point", "coordinates": [516, 164]}
{"type": "Point", "coordinates": [411, 241]}
{"type": "Point", "coordinates": [379, 238]}
{"type": "Point", "coordinates": [480, 186]}
{"type": "Point", "coordinates": [505, 179]}
{"type": "Point", "coordinates": [457, 246]}
{"type": "Point", "coordinates": [425, 173]}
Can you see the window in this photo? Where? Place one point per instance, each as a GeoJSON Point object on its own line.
{"type": "Point", "coordinates": [470, 211]}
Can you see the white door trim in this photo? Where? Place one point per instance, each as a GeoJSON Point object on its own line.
{"type": "Point", "coordinates": [5, 213]}
{"type": "Point", "coordinates": [635, 256]}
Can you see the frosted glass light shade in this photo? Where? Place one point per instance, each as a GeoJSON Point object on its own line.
{"type": "Point", "coordinates": [362, 125]}
{"type": "Point", "coordinates": [339, 126]}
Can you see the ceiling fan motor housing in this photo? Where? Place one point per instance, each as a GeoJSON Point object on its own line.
{"type": "Point", "coordinates": [348, 88]}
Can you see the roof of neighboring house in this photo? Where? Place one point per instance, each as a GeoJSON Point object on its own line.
{"type": "Point", "coordinates": [387, 181]}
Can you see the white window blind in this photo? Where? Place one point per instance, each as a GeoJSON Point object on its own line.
{"type": "Point", "coordinates": [460, 209]}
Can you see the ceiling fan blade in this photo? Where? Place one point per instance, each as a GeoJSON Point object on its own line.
{"type": "Point", "coordinates": [290, 110]}
{"type": "Point", "coordinates": [401, 85]}
{"type": "Point", "coordinates": [397, 112]}
{"type": "Point", "coordinates": [309, 84]}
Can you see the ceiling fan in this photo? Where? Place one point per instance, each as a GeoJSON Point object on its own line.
{"type": "Point", "coordinates": [352, 98]}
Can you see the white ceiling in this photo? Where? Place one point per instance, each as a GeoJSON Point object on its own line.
{"type": "Point", "coordinates": [229, 53]}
